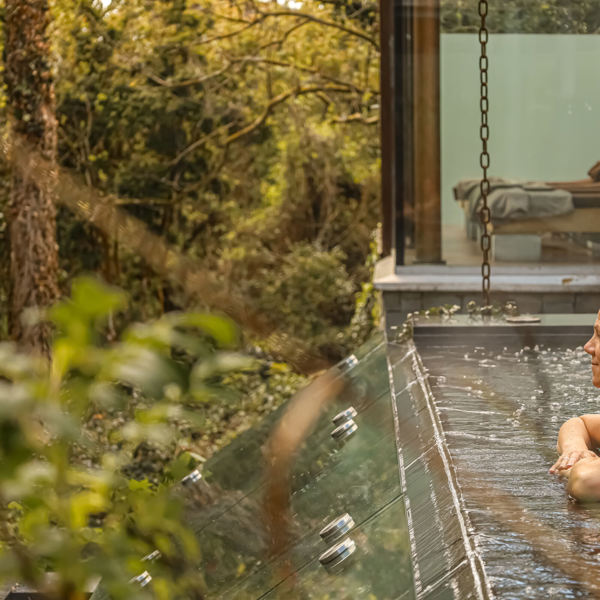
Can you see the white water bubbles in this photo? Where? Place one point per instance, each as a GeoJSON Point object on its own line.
{"type": "Point", "coordinates": [487, 363]}
{"type": "Point", "coordinates": [502, 421]}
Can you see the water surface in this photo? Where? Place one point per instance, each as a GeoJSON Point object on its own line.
{"type": "Point", "coordinates": [501, 408]}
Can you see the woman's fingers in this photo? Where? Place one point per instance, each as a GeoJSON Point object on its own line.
{"type": "Point", "coordinates": [557, 465]}
{"type": "Point", "coordinates": [568, 459]}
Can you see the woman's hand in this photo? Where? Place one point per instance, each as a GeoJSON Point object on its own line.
{"type": "Point", "coordinates": [567, 459]}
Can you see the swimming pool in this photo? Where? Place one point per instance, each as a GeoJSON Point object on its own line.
{"type": "Point", "coordinates": [496, 396]}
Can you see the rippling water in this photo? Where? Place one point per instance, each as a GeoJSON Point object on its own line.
{"type": "Point", "coordinates": [501, 409]}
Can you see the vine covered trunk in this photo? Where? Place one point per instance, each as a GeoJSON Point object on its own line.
{"type": "Point", "coordinates": [31, 213]}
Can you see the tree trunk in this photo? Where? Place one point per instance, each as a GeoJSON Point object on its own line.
{"type": "Point", "coordinates": [31, 212]}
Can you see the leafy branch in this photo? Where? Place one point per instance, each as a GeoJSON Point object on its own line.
{"type": "Point", "coordinates": [357, 118]}
{"type": "Point", "coordinates": [314, 19]}
{"type": "Point", "coordinates": [255, 60]}
{"type": "Point", "coordinates": [293, 13]}
{"type": "Point", "coordinates": [271, 105]}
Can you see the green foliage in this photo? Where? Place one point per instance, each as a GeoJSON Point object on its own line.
{"type": "Point", "coordinates": [367, 309]}
{"type": "Point", "coordinates": [69, 506]}
{"type": "Point", "coordinates": [523, 16]}
{"type": "Point", "coordinates": [300, 293]}
{"type": "Point", "coordinates": [161, 105]}
{"type": "Point", "coordinates": [224, 132]}
{"type": "Point", "coordinates": [155, 113]}
{"type": "Point", "coordinates": [305, 250]}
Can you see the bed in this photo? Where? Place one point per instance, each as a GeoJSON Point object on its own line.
{"type": "Point", "coordinates": [526, 210]}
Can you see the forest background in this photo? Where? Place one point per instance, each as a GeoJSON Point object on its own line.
{"type": "Point", "coordinates": [242, 136]}
{"type": "Point", "coordinates": [227, 131]}
{"type": "Point", "coordinates": [245, 134]}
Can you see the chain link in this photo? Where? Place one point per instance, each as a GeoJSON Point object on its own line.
{"type": "Point", "coordinates": [484, 158]}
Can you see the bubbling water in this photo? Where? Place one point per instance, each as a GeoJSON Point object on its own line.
{"type": "Point", "coordinates": [501, 409]}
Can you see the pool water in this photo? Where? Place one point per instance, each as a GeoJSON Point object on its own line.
{"type": "Point", "coordinates": [501, 407]}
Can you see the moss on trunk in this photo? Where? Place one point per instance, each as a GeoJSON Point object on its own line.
{"type": "Point", "coordinates": [31, 211]}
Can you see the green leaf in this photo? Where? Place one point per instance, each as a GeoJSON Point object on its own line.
{"type": "Point", "coordinates": [222, 329]}
{"type": "Point", "coordinates": [137, 485]}
{"type": "Point", "coordinates": [83, 504]}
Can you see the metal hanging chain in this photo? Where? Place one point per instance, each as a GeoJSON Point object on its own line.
{"type": "Point", "coordinates": [484, 157]}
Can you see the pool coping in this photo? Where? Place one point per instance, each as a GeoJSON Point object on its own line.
{"type": "Point", "coordinates": [540, 278]}
{"type": "Point", "coordinates": [414, 410]}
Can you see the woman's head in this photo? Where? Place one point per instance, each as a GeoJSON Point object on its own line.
{"type": "Point", "coordinates": [592, 347]}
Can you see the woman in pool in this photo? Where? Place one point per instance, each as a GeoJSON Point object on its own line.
{"type": "Point", "coordinates": [579, 437]}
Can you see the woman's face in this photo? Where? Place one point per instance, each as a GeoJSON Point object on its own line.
{"type": "Point", "coordinates": [592, 347]}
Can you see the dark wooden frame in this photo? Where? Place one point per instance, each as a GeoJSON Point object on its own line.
{"type": "Point", "coordinates": [410, 129]}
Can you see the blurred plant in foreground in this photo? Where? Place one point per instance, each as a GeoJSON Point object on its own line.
{"type": "Point", "coordinates": [69, 508]}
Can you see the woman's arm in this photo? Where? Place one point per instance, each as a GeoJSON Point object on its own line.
{"type": "Point", "coordinates": [576, 438]}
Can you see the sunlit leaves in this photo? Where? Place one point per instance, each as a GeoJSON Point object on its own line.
{"type": "Point", "coordinates": [83, 521]}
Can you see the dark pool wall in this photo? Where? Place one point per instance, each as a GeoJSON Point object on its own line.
{"type": "Point", "coordinates": [446, 563]}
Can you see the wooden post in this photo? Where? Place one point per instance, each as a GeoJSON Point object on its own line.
{"type": "Point", "coordinates": [426, 119]}
{"type": "Point", "coordinates": [386, 19]}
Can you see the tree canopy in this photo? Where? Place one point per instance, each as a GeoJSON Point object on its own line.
{"type": "Point", "coordinates": [222, 156]}
{"type": "Point", "coordinates": [227, 130]}
{"type": "Point", "coordinates": [523, 16]}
